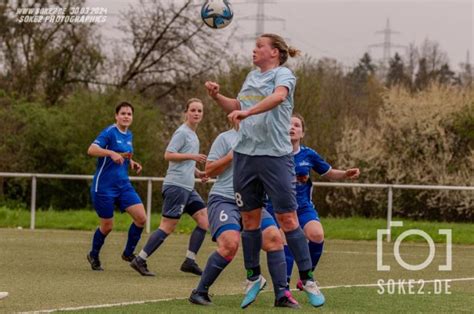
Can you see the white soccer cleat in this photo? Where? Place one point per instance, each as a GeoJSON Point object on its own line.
{"type": "Point", "coordinates": [3, 295]}
{"type": "Point", "coordinates": [316, 298]}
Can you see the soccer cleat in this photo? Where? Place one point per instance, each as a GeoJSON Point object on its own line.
{"type": "Point", "coordinates": [200, 298]}
{"type": "Point", "coordinates": [287, 301]}
{"type": "Point", "coordinates": [190, 266]}
{"type": "Point", "coordinates": [95, 262]}
{"type": "Point", "coordinates": [3, 295]}
{"type": "Point", "coordinates": [299, 285]}
{"type": "Point", "coordinates": [128, 258]}
{"type": "Point", "coordinates": [316, 298]}
{"type": "Point", "coordinates": [251, 291]}
{"type": "Point", "coordinates": [139, 264]}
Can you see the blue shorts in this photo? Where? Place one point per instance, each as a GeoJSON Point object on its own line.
{"type": "Point", "coordinates": [105, 201]}
{"type": "Point", "coordinates": [224, 215]}
{"type": "Point", "coordinates": [256, 175]}
{"type": "Point", "coordinates": [305, 215]}
{"type": "Point", "coordinates": [178, 200]}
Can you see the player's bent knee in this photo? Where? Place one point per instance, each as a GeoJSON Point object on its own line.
{"type": "Point", "coordinates": [315, 236]}
{"type": "Point", "coordinates": [288, 222]}
{"type": "Point", "coordinates": [272, 240]}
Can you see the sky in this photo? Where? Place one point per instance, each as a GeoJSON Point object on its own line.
{"type": "Point", "coordinates": [343, 29]}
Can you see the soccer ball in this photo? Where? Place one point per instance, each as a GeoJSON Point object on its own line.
{"type": "Point", "coordinates": [217, 13]}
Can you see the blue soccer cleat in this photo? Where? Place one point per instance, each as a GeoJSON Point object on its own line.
{"type": "Point", "coordinates": [252, 290]}
{"type": "Point", "coordinates": [316, 298]}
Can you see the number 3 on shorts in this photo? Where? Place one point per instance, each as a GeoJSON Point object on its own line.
{"type": "Point", "coordinates": [238, 200]}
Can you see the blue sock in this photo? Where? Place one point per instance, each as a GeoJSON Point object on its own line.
{"type": "Point", "coordinates": [251, 246]}
{"type": "Point", "coordinates": [215, 265]}
{"type": "Point", "coordinates": [299, 248]}
{"type": "Point", "coordinates": [276, 267]}
{"type": "Point", "coordinates": [196, 239]}
{"type": "Point", "coordinates": [154, 241]}
{"type": "Point", "coordinates": [134, 235]}
{"type": "Point", "coordinates": [97, 242]}
{"type": "Point", "coordinates": [315, 250]}
{"type": "Point", "coordinates": [289, 263]}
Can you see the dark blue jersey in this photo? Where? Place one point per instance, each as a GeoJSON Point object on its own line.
{"type": "Point", "coordinates": [110, 175]}
{"type": "Point", "coordinates": [305, 160]}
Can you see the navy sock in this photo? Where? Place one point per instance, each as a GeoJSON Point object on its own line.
{"type": "Point", "coordinates": [154, 241]}
{"type": "Point", "coordinates": [251, 246]}
{"type": "Point", "coordinates": [276, 267]}
{"type": "Point", "coordinates": [215, 265]}
{"type": "Point", "coordinates": [97, 242]}
{"type": "Point", "coordinates": [299, 248]}
{"type": "Point", "coordinates": [196, 239]}
{"type": "Point", "coordinates": [315, 250]}
{"type": "Point", "coordinates": [289, 263]}
{"type": "Point", "coordinates": [134, 235]}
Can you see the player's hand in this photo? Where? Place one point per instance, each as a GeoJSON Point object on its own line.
{"type": "Point", "coordinates": [117, 158]}
{"type": "Point", "coordinates": [237, 115]}
{"type": "Point", "coordinates": [136, 166]}
{"type": "Point", "coordinates": [212, 89]}
{"type": "Point", "coordinates": [202, 175]}
{"type": "Point", "coordinates": [352, 173]}
{"type": "Point", "coordinates": [200, 158]}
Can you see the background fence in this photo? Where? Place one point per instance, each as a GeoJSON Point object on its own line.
{"type": "Point", "coordinates": [390, 187]}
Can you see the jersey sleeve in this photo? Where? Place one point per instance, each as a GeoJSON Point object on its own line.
{"type": "Point", "coordinates": [104, 139]}
{"type": "Point", "coordinates": [178, 140]}
{"type": "Point", "coordinates": [284, 77]}
{"type": "Point", "coordinates": [218, 149]}
{"type": "Point", "coordinates": [319, 165]}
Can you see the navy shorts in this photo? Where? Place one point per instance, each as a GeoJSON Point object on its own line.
{"type": "Point", "coordinates": [305, 215]}
{"type": "Point", "coordinates": [224, 215]}
{"type": "Point", "coordinates": [105, 201]}
{"type": "Point", "coordinates": [256, 175]}
{"type": "Point", "coordinates": [178, 200]}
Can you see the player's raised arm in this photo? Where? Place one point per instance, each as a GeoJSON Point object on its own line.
{"type": "Point", "coordinates": [226, 103]}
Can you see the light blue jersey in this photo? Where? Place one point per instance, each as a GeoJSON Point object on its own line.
{"type": "Point", "coordinates": [184, 141]}
{"type": "Point", "coordinates": [222, 145]}
{"type": "Point", "coordinates": [266, 134]}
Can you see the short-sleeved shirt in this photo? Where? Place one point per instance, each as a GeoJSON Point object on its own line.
{"type": "Point", "coordinates": [108, 174]}
{"type": "Point", "coordinates": [181, 173]}
{"type": "Point", "coordinates": [222, 145]}
{"type": "Point", "coordinates": [305, 160]}
{"type": "Point", "coordinates": [266, 134]}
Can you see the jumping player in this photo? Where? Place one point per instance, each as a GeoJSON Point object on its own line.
{"type": "Point", "coordinates": [224, 219]}
{"type": "Point", "coordinates": [263, 160]}
{"type": "Point", "coordinates": [306, 159]}
{"type": "Point", "coordinates": [111, 185]}
{"type": "Point", "coordinates": [178, 192]}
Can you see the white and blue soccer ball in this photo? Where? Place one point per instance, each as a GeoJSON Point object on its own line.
{"type": "Point", "coordinates": [217, 13]}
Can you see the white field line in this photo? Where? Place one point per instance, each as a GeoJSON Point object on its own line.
{"type": "Point", "coordinates": [98, 306]}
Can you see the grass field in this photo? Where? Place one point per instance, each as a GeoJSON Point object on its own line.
{"type": "Point", "coordinates": [47, 270]}
{"type": "Point", "coordinates": [354, 228]}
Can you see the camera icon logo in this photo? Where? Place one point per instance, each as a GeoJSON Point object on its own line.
{"type": "Point", "coordinates": [396, 248]}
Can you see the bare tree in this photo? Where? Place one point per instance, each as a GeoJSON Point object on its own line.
{"type": "Point", "coordinates": [46, 59]}
{"type": "Point", "coordinates": [167, 46]}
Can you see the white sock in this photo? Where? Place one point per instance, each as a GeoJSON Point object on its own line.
{"type": "Point", "coordinates": [191, 255]}
{"type": "Point", "coordinates": [143, 255]}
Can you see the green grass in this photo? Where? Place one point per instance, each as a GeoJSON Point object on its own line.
{"type": "Point", "coordinates": [355, 228]}
{"type": "Point", "coordinates": [47, 269]}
